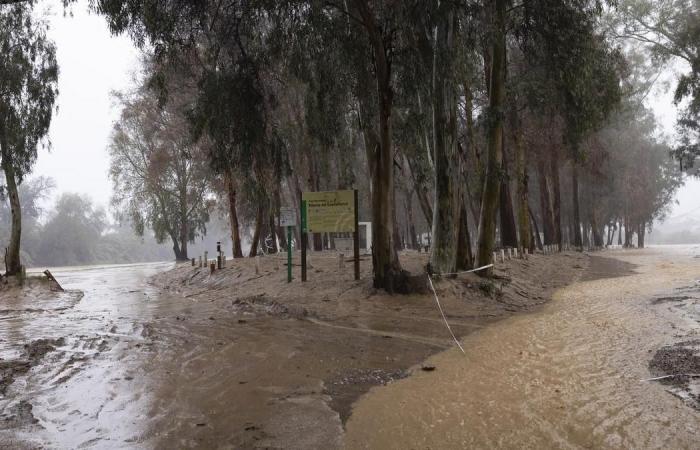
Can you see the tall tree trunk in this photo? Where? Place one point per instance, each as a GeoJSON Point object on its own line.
{"type": "Point", "coordinates": [522, 182]}
{"type": "Point", "coordinates": [556, 200]}
{"type": "Point", "coordinates": [233, 214]}
{"type": "Point", "coordinates": [258, 230]}
{"type": "Point", "coordinates": [619, 232]}
{"type": "Point", "coordinates": [184, 230]}
{"type": "Point", "coordinates": [413, 238]}
{"type": "Point", "coordinates": [628, 232]}
{"type": "Point", "coordinates": [578, 242]}
{"type": "Point", "coordinates": [545, 204]}
{"type": "Point", "coordinates": [12, 259]}
{"type": "Point", "coordinates": [273, 231]}
{"type": "Point", "coordinates": [595, 229]}
{"type": "Point", "coordinates": [509, 234]}
{"type": "Point", "coordinates": [489, 202]}
{"type": "Point", "coordinates": [538, 240]}
{"type": "Point", "coordinates": [641, 235]}
{"type": "Point", "coordinates": [422, 195]}
{"type": "Point", "coordinates": [443, 257]}
{"type": "Point", "coordinates": [385, 261]}
{"type": "Point", "coordinates": [465, 258]}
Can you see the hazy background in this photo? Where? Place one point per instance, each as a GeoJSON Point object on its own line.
{"type": "Point", "coordinates": [93, 64]}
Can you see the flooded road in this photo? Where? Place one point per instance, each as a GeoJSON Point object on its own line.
{"type": "Point", "coordinates": [567, 377]}
{"type": "Point", "coordinates": [82, 393]}
{"type": "Point", "coordinates": [241, 360]}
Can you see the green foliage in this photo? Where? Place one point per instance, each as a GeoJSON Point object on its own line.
{"type": "Point", "coordinates": [28, 86]}
{"type": "Point", "coordinates": [670, 30]}
{"type": "Point", "coordinates": [160, 176]}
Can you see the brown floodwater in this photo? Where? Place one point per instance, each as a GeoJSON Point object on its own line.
{"type": "Point", "coordinates": [568, 376]}
{"type": "Point", "coordinates": [81, 394]}
{"type": "Point", "coordinates": [135, 365]}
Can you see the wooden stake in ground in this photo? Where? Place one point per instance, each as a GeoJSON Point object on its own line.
{"type": "Point", "coordinates": [52, 280]}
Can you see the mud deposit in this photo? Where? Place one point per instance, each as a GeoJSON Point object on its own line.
{"type": "Point", "coordinates": [237, 359]}
{"type": "Point", "coordinates": [572, 375]}
{"type": "Point", "coordinates": [679, 364]}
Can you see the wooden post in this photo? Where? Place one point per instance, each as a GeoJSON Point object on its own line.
{"type": "Point", "coordinates": [192, 262]}
{"type": "Point", "coordinates": [289, 254]}
{"type": "Point", "coordinates": [257, 265]}
{"type": "Point", "coordinates": [224, 260]}
{"type": "Point", "coordinates": [341, 261]}
{"type": "Point", "coordinates": [503, 256]}
{"type": "Point", "coordinates": [304, 238]}
{"type": "Point", "coordinates": [212, 268]}
{"type": "Point", "coordinates": [356, 237]}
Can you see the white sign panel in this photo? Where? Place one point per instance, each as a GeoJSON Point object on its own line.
{"type": "Point", "coordinates": [288, 217]}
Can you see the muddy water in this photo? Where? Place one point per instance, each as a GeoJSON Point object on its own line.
{"type": "Point", "coordinates": [85, 392]}
{"type": "Point", "coordinates": [566, 377]}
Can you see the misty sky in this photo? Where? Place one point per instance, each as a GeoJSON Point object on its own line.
{"type": "Point", "coordinates": [93, 63]}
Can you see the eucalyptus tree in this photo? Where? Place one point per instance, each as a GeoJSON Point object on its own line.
{"type": "Point", "coordinates": [28, 91]}
{"type": "Point", "coordinates": [669, 31]}
{"type": "Point", "coordinates": [160, 176]}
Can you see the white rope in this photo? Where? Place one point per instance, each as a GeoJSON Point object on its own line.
{"type": "Point", "coordinates": [437, 300]}
{"type": "Point", "coordinates": [690, 375]}
{"type": "Point", "coordinates": [466, 271]}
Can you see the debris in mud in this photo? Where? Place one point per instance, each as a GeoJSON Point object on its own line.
{"type": "Point", "coordinates": [675, 298]}
{"type": "Point", "coordinates": [17, 416]}
{"type": "Point", "coordinates": [33, 352]}
{"type": "Point", "coordinates": [262, 305]}
{"type": "Point", "coordinates": [678, 362]}
{"type": "Point", "coordinates": [427, 368]}
{"type": "Point", "coordinates": [368, 376]}
{"type": "Point", "coordinates": [38, 348]}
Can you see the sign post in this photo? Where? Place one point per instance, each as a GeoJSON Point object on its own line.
{"type": "Point", "coordinates": [330, 212]}
{"type": "Point", "coordinates": [288, 220]}
{"type": "Point", "coordinates": [356, 237]}
{"type": "Point", "coordinates": [304, 240]}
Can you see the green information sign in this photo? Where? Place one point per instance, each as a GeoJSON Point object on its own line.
{"type": "Point", "coordinates": [328, 212]}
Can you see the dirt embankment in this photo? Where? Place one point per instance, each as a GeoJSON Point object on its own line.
{"type": "Point", "coordinates": [291, 351]}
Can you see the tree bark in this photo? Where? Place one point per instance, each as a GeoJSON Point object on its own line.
{"type": "Point", "coordinates": [413, 238]}
{"type": "Point", "coordinates": [556, 200]}
{"type": "Point", "coordinates": [509, 234]}
{"type": "Point", "coordinates": [256, 233]}
{"type": "Point", "coordinates": [619, 232]}
{"type": "Point", "coordinates": [233, 214]}
{"type": "Point", "coordinates": [545, 204]}
{"type": "Point", "coordinates": [13, 264]}
{"type": "Point", "coordinates": [538, 240]}
{"type": "Point", "coordinates": [522, 182]}
{"type": "Point", "coordinates": [489, 202]}
{"type": "Point", "coordinates": [578, 242]}
{"type": "Point", "coordinates": [385, 261]}
{"type": "Point", "coordinates": [443, 256]}
{"type": "Point", "coordinates": [465, 258]}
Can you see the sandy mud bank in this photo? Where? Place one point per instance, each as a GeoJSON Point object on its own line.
{"type": "Point", "coordinates": [573, 375]}
{"type": "Point", "coordinates": [246, 359]}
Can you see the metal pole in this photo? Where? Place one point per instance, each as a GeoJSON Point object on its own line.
{"type": "Point", "coordinates": [304, 238]}
{"type": "Point", "coordinates": [289, 254]}
{"type": "Point", "coordinates": [356, 237]}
